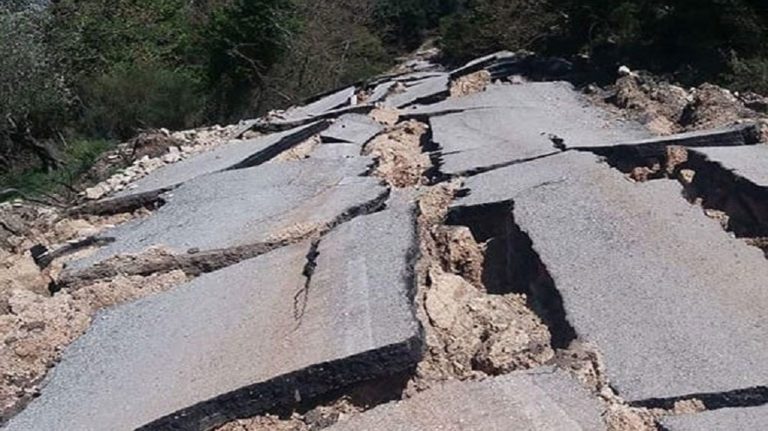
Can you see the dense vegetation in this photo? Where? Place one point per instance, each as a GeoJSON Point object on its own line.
{"type": "Point", "coordinates": [74, 73]}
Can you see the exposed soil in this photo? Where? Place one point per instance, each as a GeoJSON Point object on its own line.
{"type": "Point", "coordinates": [385, 116]}
{"type": "Point", "coordinates": [34, 328]}
{"type": "Point", "coordinates": [300, 151]}
{"type": "Point", "coordinates": [666, 108]}
{"type": "Point", "coordinates": [470, 84]}
{"type": "Point", "coordinates": [400, 160]}
{"type": "Point", "coordinates": [470, 332]}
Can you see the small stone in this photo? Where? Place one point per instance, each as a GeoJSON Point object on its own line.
{"type": "Point", "coordinates": [687, 176]}
{"type": "Point", "coordinates": [624, 71]}
{"type": "Point", "coordinates": [94, 193]}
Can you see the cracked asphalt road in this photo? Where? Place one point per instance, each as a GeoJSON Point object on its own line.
{"type": "Point", "coordinates": [671, 303]}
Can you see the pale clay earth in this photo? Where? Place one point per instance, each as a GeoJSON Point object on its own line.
{"type": "Point", "coordinates": [469, 333]}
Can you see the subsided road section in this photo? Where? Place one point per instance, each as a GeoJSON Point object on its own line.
{"type": "Point", "coordinates": [675, 305]}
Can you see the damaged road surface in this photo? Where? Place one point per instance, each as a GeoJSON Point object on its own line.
{"type": "Point", "coordinates": [509, 124]}
{"type": "Point", "coordinates": [430, 250]}
{"type": "Point", "coordinates": [237, 342]}
{"type": "Point", "coordinates": [643, 275]}
{"type": "Point", "coordinates": [246, 209]}
{"type": "Point", "coordinates": [546, 400]}
{"type": "Point", "coordinates": [236, 155]}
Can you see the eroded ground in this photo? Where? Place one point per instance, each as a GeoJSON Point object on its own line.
{"type": "Point", "coordinates": [426, 250]}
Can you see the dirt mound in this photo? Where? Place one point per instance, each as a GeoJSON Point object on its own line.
{"type": "Point", "coordinates": [470, 84]}
{"type": "Point", "coordinates": [151, 143]}
{"type": "Point", "coordinates": [659, 106]}
{"type": "Point", "coordinates": [667, 108]}
{"type": "Point", "coordinates": [712, 107]}
{"type": "Point", "coordinates": [469, 332]}
{"type": "Point", "coordinates": [400, 159]}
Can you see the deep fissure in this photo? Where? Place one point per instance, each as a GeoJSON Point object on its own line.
{"type": "Point", "coordinates": [512, 265]}
{"type": "Point", "coordinates": [200, 262]}
{"type": "Point", "coordinates": [747, 397]}
{"type": "Point", "coordinates": [739, 205]}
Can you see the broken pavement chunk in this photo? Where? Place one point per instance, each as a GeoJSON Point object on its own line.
{"type": "Point", "coordinates": [748, 162]}
{"type": "Point", "coordinates": [248, 338]}
{"type": "Point", "coordinates": [435, 87]}
{"type": "Point", "coordinates": [484, 137]}
{"type": "Point", "coordinates": [509, 123]}
{"type": "Point", "coordinates": [321, 105]}
{"type": "Point", "coordinates": [734, 136]}
{"type": "Point", "coordinates": [482, 62]}
{"type": "Point", "coordinates": [229, 209]}
{"type": "Point", "coordinates": [643, 275]}
{"type": "Point", "coordinates": [730, 419]}
{"type": "Point", "coordinates": [540, 400]}
{"type": "Point", "coordinates": [234, 155]}
{"type": "Point", "coordinates": [352, 128]}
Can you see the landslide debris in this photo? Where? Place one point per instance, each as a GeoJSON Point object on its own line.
{"type": "Point", "coordinates": [149, 151]}
{"type": "Point", "coordinates": [35, 328]}
{"type": "Point", "coordinates": [469, 332]}
{"type": "Point", "coordinates": [400, 160]}
{"type": "Point", "coordinates": [472, 83]}
{"type": "Point", "coordinates": [667, 108]}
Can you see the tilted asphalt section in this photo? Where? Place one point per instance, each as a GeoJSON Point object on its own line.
{"type": "Point", "coordinates": [334, 100]}
{"type": "Point", "coordinates": [729, 419]}
{"type": "Point", "coordinates": [514, 123]}
{"type": "Point", "coordinates": [674, 303]}
{"type": "Point", "coordinates": [748, 162]}
{"type": "Point", "coordinates": [416, 91]}
{"type": "Point", "coordinates": [352, 128]}
{"type": "Point", "coordinates": [244, 339]}
{"type": "Point", "coordinates": [247, 206]}
{"type": "Point", "coordinates": [543, 400]}
{"type": "Point", "coordinates": [234, 154]}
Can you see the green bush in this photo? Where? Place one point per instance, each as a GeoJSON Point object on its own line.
{"type": "Point", "coordinates": [242, 43]}
{"type": "Point", "coordinates": [128, 98]}
{"type": "Point", "coordinates": [78, 156]}
{"type": "Point", "coordinates": [34, 96]}
{"type": "Point", "coordinates": [486, 26]}
{"type": "Point", "coordinates": [748, 75]}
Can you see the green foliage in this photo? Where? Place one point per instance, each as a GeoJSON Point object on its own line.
{"type": "Point", "coordinates": [141, 96]}
{"type": "Point", "coordinates": [32, 87]}
{"type": "Point", "coordinates": [243, 42]}
{"type": "Point", "coordinates": [749, 75]}
{"type": "Point", "coordinates": [333, 47]}
{"type": "Point", "coordinates": [79, 155]}
{"type": "Point", "coordinates": [692, 38]}
{"type": "Point", "coordinates": [93, 36]}
{"type": "Point", "coordinates": [486, 26]}
{"type": "Point", "coordinates": [403, 23]}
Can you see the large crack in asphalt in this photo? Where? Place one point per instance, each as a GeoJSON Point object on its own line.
{"type": "Point", "coordinates": [735, 202]}
{"type": "Point", "coordinates": [485, 299]}
{"type": "Point", "coordinates": [34, 349]}
{"type": "Point", "coordinates": [195, 263]}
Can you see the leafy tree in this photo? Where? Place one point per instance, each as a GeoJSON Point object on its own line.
{"type": "Point", "coordinates": [34, 97]}
{"type": "Point", "coordinates": [332, 47]}
{"type": "Point", "coordinates": [403, 23]}
{"type": "Point", "coordinates": [486, 26]}
{"type": "Point", "coordinates": [243, 42]}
